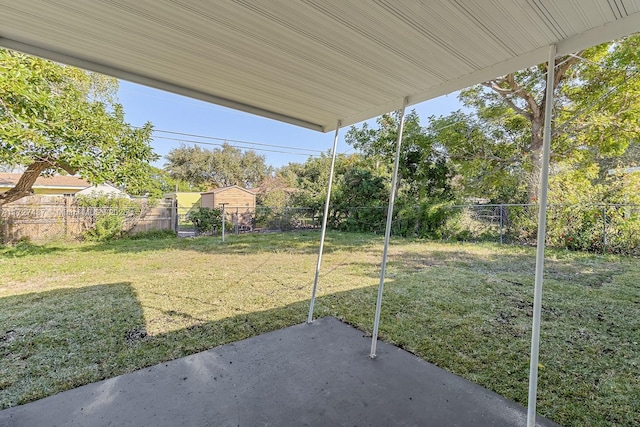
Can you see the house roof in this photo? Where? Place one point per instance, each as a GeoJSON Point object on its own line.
{"type": "Point", "coordinates": [310, 63]}
{"type": "Point", "coordinates": [104, 188]}
{"type": "Point", "coordinates": [10, 179]}
{"type": "Point", "coordinates": [622, 171]}
{"type": "Point", "coordinates": [223, 189]}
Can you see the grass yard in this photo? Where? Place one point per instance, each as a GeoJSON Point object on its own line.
{"type": "Point", "coordinates": [75, 314]}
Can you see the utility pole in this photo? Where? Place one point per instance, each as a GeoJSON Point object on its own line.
{"type": "Point", "coordinates": [223, 218]}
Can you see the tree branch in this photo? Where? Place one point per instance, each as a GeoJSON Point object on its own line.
{"type": "Point", "coordinates": [566, 63]}
{"type": "Point", "coordinates": [521, 93]}
{"type": "Point", "coordinates": [559, 129]}
{"type": "Point", "coordinates": [25, 183]}
{"type": "Point", "coordinates": [64, 166]}
{"type": "Point", "coordinates": [9, 114]}
{"type": "Point", "coordinates": [516, 90]}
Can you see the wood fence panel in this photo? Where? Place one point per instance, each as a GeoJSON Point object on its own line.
{"type": "Point", "coordinates": [60, 219]}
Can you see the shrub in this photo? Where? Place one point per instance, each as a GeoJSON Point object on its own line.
{"type": "Point", "coordinates": [108, 226]}
{"type": "Point", "coordinates": [205, 220]}
{"type": "Point", "coordinates": [364, 219]}
{"type": "Point", "coordinates": [429, 219]}
{"type": "Point", "coordinates": [98, 200]}
{"type": "Point", "coordinates": [623, 231]}
{"type": "Point", "coordinates": [521, 224]}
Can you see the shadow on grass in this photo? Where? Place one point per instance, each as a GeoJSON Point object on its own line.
{"type": "Point", "coordinates": [55, 340]}
{"type": "Point", "coordinates": [512, 264]}
{"type": "Point", "coordinates": [25, 248]}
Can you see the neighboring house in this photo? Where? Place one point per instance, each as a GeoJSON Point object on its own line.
{"type": "Point", "coordinates": [57, 185]}
{"type": "Point", "coordinates": [622, 171]}
{"type": "Point", "coordinates": [102, 189]}
{"type": "Point", "coordinates": [185, 201]}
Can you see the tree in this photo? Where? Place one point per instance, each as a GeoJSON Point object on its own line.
{"type": "Point", "coordinates": [220, 167]}
{"type": "Point", "coordinates": [423, 171]}
{"type": "Point", "coordinates": [55, 118]}
{"type": "Point", "coordinates": [160, 182]}
{"type": "Point", "coordinates": [274, 192]}
{"type": "Point", "coordinates": [487, 159]}
{"type": "Point", "coordinates": [312, 177]}
{"type": "Point", "coordinates": [596, 111]}
{"type": "Point", "coordinates": [361, 194]}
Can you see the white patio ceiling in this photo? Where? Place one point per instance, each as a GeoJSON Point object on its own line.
{"type": "Point", "coordinates": [306, 62]}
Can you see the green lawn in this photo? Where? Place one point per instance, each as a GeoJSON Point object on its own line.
{"type": "Point", "coordinates": [74, 314]}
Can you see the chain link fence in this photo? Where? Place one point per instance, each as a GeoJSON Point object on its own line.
{"type": "Point", "coordinates": [610, 228]}
{"type": "Point", "coordinates": [604, 228]}
{"type": "Point", "coordinates": [269, 218]}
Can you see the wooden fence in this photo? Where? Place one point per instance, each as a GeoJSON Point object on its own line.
{"type": "Point", "coordinates": [49, 219]}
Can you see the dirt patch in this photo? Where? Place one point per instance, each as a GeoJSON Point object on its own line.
{"type": "Point", "coordinates": [136, 334]}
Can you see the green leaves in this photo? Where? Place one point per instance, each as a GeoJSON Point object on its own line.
{"type": "Point", "coordinates": [423, 171]}
{"type": "Point", "coordinates": [497, 148]}
{"type": "Point", "coordinates": [220, 167]}
{"type": "Point", "coordinates": [205, 219]}
{"type": "Point", "coordinates": [68, 118]}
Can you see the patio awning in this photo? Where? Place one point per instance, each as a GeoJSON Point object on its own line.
{"type": "Point", "coordinates": [310, 63]}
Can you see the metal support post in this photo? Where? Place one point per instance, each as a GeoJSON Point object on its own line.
{"type": "Point", "coordinates": [542, 229]}
{"type": "Point", "coordinates": [501, 223]}
{"type": "Point", "coordinates": [223, 219]}
{"type": "Point", "coordinates": [604, 229]}
{"type": "Point", "coordinates": [324, 223]}
{"type": "Point", "coordinates": [387, 233]}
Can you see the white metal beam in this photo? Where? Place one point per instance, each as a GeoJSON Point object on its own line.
{"type": "Point", "coordinates": [594, 36]}
{"type": "Point", "coordinates": [542, 233]}
{"type": "Point", "coordinates": [387, 232]}
{"type": "Point", "coordinates": [307, 63]}
{"type": "Point", "coordinates": [324, 223]}
{"type": "Point", "coordinates": [121, 72]}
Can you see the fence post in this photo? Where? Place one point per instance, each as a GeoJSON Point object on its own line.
{"type": "Point", "coordinates": [236, 225]}
{"type": "Point", "coordinates": [174, 215]}
{"type": "Point", "coordinates": [604, 229]}
{"type": "Point", "coordinates": [67, 201]}
{"type": "Point", "coordinates": [501, 222]}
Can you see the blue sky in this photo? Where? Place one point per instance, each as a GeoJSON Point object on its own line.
{"type": "Point", "coordinates": [175, 113]}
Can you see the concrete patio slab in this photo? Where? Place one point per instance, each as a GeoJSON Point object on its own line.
{"type": "Point", "coordinates": [315, 374]}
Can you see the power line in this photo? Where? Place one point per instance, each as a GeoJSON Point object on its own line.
{"type": "Point", "coordinates": [595, 102]}
{"type": "Point", "coordinates": [606, 67]}
{"type": "Point", "coordinates": [234, 146]}
{"type": "Point", "coordinates": [213, 138]}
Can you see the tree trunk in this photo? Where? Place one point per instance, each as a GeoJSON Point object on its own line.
{"type": "Point", "coordinates": [26, 181]}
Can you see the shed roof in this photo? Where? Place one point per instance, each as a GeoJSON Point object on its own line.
{"type": "Point", "coordinates": [310, 63]}
{"type": "Point", "coordinates": [222, 189]}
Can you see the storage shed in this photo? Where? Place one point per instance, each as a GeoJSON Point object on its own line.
{"type": "Point", "coordinates": [239, 203]}
{"type": "Point", "coordinates": [233, 197]}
